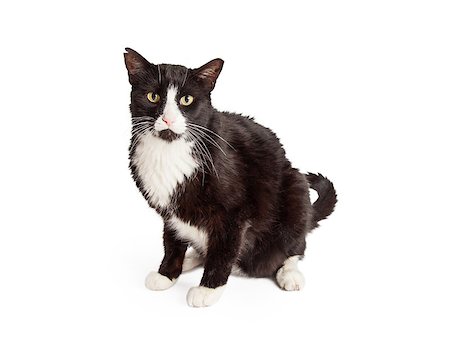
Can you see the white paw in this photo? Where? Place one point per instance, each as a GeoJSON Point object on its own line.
{"type": "Point", "coordinates": [191, 261]}
{"type": "Point", "coordinates": [156, 281]}
{"type": "Point", "coordinates": [290, 279]}
{"type": "Point", "coordinates": [201, 296]}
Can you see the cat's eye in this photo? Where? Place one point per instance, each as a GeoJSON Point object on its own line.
{"type": "Point", "coordinates": [186, 100]}
{"type": "Point", "coordinates": [153, 97]}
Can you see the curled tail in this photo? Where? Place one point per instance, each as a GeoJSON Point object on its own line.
{"type": "Point", "coordinates": [324, 205]}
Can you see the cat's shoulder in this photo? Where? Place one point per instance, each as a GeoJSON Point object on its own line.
{"type": "Point", "coordinates": [227, 115]}
{"type": "Point", "coordinates": [247, 124]}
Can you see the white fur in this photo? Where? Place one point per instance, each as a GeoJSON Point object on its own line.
{"type": "Point", "coordinates": [156, 281]}
{"type": "Point", "coordinates": [162, 166]}
{"type": "Point", "coordinates": [289, 277]}
{"type": "Point", "coordinates": [237, 271]}
{"type": "Point", "coordinates": [192, 260]}
{"type": "Point", "coordinates": [171, 112]}
{"type": "Point", "coordinates": [194, 235]}
{"type": "Point", "coordinates": [201, 296]}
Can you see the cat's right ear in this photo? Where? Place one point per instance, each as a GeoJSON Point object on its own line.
{"type": "Point", "coordinates": [137, 65]}
{"type": "Point", "coordinates": [208, 73]}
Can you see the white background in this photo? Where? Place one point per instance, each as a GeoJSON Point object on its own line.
{"type": "Point", "coordinates": [358, 90]}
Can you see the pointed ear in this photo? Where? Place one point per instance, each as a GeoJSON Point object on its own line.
{"type": "Point", "coordinates": [208, 73]}
{"type": "Point", "coordinates": [136, 65]}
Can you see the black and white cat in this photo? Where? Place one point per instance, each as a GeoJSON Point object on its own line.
{"type": "Point", "coordinates": [220, 181]}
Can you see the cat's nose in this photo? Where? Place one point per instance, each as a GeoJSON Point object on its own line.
{"type": "Point", "coordinates": [167, 120]}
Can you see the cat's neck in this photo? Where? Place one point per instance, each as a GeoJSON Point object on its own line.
{"type": "Point", "coordinates": [162, 166]}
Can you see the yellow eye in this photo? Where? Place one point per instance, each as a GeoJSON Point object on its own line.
{"type": "Point", "coordinates": [186, 100]}
{"type": "Point", "coordinates": [153, 97]}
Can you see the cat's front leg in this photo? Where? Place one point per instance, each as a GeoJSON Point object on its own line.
{"type": "Point", "coordinates": [223, 248]}
{"type": "Point", "coordinates": [171, 265]}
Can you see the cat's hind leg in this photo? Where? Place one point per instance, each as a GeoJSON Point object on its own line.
{"type": "Point", "coordinates": [192, 260]}
{"type": "Point", "coordinates": [288, 276]}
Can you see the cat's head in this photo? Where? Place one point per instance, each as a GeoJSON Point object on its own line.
{"type": "Point", "coordinates": [170, 98]}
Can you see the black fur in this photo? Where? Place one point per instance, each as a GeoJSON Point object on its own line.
{"type": "Point", "coordinates": [324, 205]}
{"type": "Point", "coordinates": [256, 208]}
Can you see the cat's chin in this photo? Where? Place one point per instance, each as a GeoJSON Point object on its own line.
{"type": "Point", "coordinates": [168, 135]}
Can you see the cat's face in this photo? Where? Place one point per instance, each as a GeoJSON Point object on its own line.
{"type": "Point", "coordinates": [169, 99]}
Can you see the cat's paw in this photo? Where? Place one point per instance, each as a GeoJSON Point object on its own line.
{"type": "Point", "coordinates": [290, 279]}
{"type": "Point", "coordinates": [201, 296]}
{"type": "Point", "coordinates": [191, 261]}
{"type": "Point", "coordinates": [156, 281]}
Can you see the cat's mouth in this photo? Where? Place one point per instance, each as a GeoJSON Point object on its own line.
{"type": "Point", "coordinates": [168, 135]}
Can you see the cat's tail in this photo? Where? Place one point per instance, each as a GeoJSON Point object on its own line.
{"type": "Point", "coordinates": [324, 205]}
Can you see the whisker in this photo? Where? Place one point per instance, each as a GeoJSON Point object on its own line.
{"type": "Point", "coordinates": [140, 124]}
{"type": "Point", "coordinates": [196, 151]}
{"type": "Point", "coordinates": [220, 137]}
{"type": "Point", "coordinates": [203, 162]}
{"type": "Point", "coordinates": [134, 140]}
{"type": "Point", "coordinates": [199, 150]}
{"type": "Point", "coordinates": [198, 146]}
{"type": "Point", "coordinates": [185, 77]}
{"type": "Point", "coordinates": [139, 129]}
{"type": "Point", "coordinates": [206, 151]}
{"type": "Point", "coordinates": [146, 117]}
{"type": "Point", "coordinates": [211, 140]}
{"type": "Point", "coordinates": [145, 123]}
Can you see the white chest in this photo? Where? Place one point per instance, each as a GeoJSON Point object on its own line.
{"type": "Point", "coordinates": [162, 166]}
{"type": "Point", "coordinates": [194, 235]}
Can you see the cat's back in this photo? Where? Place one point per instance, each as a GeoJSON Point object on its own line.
{"type": "Point", "coordinates": [244, 133]}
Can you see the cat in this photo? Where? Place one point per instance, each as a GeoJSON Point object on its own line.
{"type": "Point", "coordinates": [220, 181]}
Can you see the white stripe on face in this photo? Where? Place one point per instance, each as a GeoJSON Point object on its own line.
{"type": "Point", "coordinates": [171, 118]}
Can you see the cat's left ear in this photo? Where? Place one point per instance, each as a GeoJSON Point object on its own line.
{"type": "Point", "coordinates": [137, 65]}
{"type": "Point", "coordinates": [208, 73]}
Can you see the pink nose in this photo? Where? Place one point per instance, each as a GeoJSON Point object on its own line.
{"type": "Point", "coordinates": [167, 121]}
